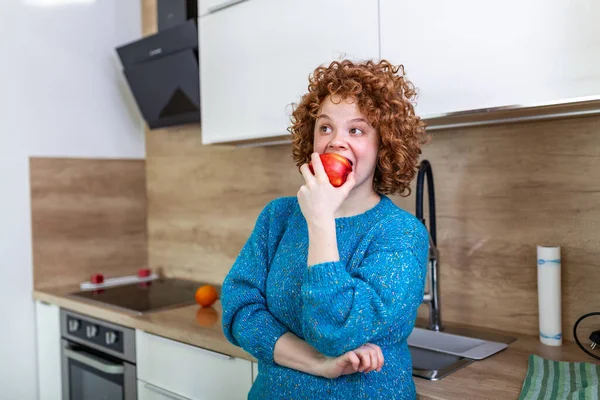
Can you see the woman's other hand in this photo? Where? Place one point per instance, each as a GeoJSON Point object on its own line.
{"type": "Point", "coordinates": [334, 367]}
{"type": "Point", "coordinates": [371, 358]}
{"type": "Point", "coordinates": [318, 199]}
{"type": "Point", "coordinates": [365, 359]}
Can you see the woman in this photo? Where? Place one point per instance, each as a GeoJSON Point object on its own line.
{"type": "Point", "coordinates": [326, 289]}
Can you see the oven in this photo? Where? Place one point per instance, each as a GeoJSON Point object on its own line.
{"type": "Point", "coordinates": [98, 359]}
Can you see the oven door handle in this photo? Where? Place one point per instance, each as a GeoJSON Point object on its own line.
{"type": "Point", "coordinates": [95, 362]}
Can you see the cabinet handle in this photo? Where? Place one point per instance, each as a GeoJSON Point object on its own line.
{"type": "Point", "coordinates": [163, 392]}
{"type": "Point", "coordinates": [215, 354]}
{"type": "Point", "coordinates": [224, 5]}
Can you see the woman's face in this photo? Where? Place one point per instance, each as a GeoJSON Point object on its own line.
{"type": "Point", "coordinates": [341, 128]}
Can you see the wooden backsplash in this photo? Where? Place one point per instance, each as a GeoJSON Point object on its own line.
{"type": "Point", "coordinates": [204, 200]}
{"type": "Point", "coordinates": [501, 191]}
{"type": "Point", "coordinates": [88, 216]}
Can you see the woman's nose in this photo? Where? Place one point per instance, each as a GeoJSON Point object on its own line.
{"type": "Point", "coordinates": [337, 142]}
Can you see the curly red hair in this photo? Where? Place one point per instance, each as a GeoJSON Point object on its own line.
{"type": "Point", "coordinates": [385, 97]}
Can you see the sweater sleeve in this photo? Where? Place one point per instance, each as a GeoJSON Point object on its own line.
{"type": "Point", "coordinates": [342, 310]}
{"type": "Point", "coordinates": [247, 322]}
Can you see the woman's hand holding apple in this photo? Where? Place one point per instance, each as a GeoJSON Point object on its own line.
{"type": "Point", "coordinates": [318, 198]}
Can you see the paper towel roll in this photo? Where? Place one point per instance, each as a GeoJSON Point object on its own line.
{"type": "Point", "coordinates": [549, 295]}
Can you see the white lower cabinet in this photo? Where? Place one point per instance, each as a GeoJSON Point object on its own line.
{"type": "Point", "coordinates": [48, 351]}
{"type": "Point", "coordinates": [169, 368]}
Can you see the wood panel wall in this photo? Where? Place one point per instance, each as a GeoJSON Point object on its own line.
{"type": "Point", "coordinates": [88, 216]}
{"type": "Point", "coordinates": [203, 200]}
{"type": "Point", "coordinates": [501, 191]}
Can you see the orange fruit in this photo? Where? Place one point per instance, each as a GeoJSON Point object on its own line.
{"type": "Point", "coordinates": [206, 295]}
{"type": "Point", "coordinates": [207, 316]}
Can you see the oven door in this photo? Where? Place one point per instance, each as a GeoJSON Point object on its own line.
{"type": "Point", "coordinates": [90, 375]}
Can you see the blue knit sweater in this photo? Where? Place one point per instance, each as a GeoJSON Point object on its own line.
{"type": "Point", "coordinates": [370, 296]}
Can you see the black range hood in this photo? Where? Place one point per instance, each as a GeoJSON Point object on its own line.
{"type": "Point", "coordinates": [163, 74]}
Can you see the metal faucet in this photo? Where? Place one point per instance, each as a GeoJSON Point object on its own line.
{"type": "Point", "coordinates": [432, 292]}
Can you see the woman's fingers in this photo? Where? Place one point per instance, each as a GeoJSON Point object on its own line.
{"type": "Point", "coordinates": [318, 167]}
{"type": "Point", "coordinates": [309, 178]}
{"type": "Point", "coordinates": [372, 357]}
{"type": "Point", "coordinates": [374, 360]}
{"type": "Point", "coordinates": [380, 358]}
{"type": "Point", "coordinates": [365, 359]}
{"type": "Point", "coordinates": [349, 184]}
{"type": "Point", "coordinates": [354, 360]}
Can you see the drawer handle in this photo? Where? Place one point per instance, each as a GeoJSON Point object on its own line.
{"type": "Point", "coordinates": [163, 392]}
{"type": "Point", "coordinates": [224, 5]}
{"type": "Point", "coordinates": [215, 354]}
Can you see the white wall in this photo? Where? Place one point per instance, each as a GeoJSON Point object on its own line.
{"type": "Point", "coordinates": [61, 95]}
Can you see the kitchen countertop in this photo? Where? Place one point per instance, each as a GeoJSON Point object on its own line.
{"type": "Point", "coordinates": [497, 377]}
{"type": "Point", "coordinates": [180, 324]}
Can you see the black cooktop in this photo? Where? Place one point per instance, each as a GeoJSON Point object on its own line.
{"type": "Point", "coordinates": [145, 297]}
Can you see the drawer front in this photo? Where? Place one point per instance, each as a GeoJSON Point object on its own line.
{"type": "Point", "coordinates": [189, 371]}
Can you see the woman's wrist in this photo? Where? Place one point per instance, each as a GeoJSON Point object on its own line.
{"type": "Point", "coordinates": [320, 365]}
{"type": "Point", "coordinates": [292, 352]}
{"type": "Point", "coordinates": [322, 223]}
{"type": "Point", "coordinates": [322, 243]}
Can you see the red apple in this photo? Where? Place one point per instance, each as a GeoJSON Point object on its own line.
{"type": "Point", "coordinates": [336, 167]}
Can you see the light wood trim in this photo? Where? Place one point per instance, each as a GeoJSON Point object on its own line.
{"type": "Point", "coordinates": [149, 17]}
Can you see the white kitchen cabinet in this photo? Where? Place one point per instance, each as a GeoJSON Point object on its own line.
{"type": "Point", "coordinates": [187, 371]}
{"type": "Point", "coordinates": [48, 351]}
{"type": "Point", "coordinates": [255, 58]}
{"type": "Point", "coordinates": [470, 54]}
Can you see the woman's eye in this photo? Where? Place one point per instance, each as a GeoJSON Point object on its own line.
{"type": "Point", "coordinates": [356, 131]}
{"type": "Point", "coordinates": [325, 129]}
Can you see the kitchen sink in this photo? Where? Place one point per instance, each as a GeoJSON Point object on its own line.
{"type": "Point", "coordinates": [458, 345]}
{"type": "Point", "coordinates": [438, 354]}
{"type": "Point", "coordinates": [434, 365]}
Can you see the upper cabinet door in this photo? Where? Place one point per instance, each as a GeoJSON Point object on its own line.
{"type": "Point", "coordinates": [256, 56]}
{"type": "Point", "coordinates": [471, 54]}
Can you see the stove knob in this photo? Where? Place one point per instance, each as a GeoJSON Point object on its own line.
{"type": "Point", "coordinates": [91, 331]}
{"type": "Point", "coordinates": [110, 338]}
{"type": "Point", "coordinates": [73, 325]}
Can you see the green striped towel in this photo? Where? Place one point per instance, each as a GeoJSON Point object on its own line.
{"type": "Point", "coordinates": [556, 380]}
